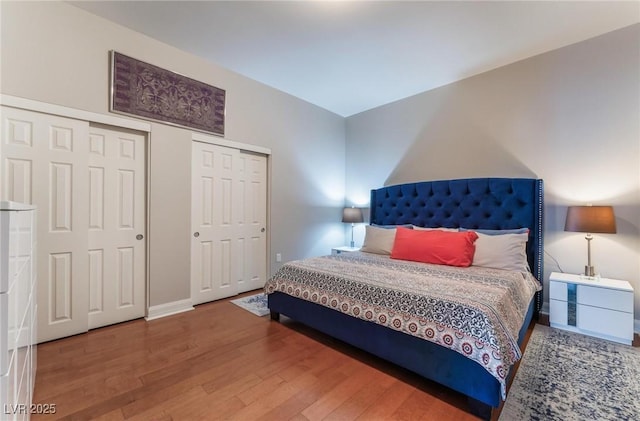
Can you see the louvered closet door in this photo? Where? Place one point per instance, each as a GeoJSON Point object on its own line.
{"type": "Point", "coordinates": [214, 243]}
{"type": "Point", "coordinates": [44, 162]}
{"type": "Point", "coordinates": [116, 253]}
{"type": "Point", "coordinates": [252, 221]}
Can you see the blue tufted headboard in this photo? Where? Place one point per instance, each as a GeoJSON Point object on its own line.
{"type": "Point", "coordinates": [488, 203]}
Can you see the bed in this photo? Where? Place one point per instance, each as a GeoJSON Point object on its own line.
{"type": "Point", "coordinates": [453, 352]}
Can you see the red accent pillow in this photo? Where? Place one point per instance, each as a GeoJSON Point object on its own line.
{"type": "Point", "coordinates": [438, 247]}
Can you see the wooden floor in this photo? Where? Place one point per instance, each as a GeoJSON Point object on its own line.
{"type": "Point", "coordinates": [222, 362]}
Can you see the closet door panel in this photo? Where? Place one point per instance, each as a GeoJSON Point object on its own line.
{"type": "Point", "coordinates": [229, 221]}
{"type": "Point", "coordinates": [252, 221]}
{"type": "Point", "coordinates": [44, 163]}
{"type": "Point", "coordinates": [116, 250]}
{"type": "Point", "coordinates": [89, 186]}
{"type": "Point", "coordinates": [215, 203]}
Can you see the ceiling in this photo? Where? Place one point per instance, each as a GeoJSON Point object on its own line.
{"type": "Point", "coordinates": [351, 56]}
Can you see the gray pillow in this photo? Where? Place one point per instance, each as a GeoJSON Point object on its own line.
{"type": "Point", "coordinates": [506, 251]}
{"type": "Point", "coordinates": [498, 232]}
{"type": "Point", "coordinates": [378, 240]}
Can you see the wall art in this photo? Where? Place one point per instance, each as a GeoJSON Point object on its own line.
{"type": "Point", "coordinates": [144, 90]}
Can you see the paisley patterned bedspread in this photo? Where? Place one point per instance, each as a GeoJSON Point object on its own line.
{"type": "Point", "coordinates": [475, 311]}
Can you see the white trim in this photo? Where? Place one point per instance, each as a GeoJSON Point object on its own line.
{"type": "Point", "coordinates": [59, 110]}
{"type": "Point", "coordinates": [147, 230]}
{"type": "Point", "coordinates": [636, 326]}
{"type": "Point", "coordinates": [169, 309]}
{"type": "Point", "coordinates": [200, 137]}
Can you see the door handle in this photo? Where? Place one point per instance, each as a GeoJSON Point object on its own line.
{"type": "Point", "coordinates": [139, 237]}
{"type": "Point", "coordinates": [262, 230]}
{"type": "Point", "coordinates": [196, 234]}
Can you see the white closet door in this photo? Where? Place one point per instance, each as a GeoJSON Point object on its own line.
{"type": "Point", "coordinates": [215, 201]}
{"type": "Point", "coordinates": [44, 161]}
{"type": "Point", "coordinates": [252, 221]}
{"type": "Point", "coordinates": [116, 252]}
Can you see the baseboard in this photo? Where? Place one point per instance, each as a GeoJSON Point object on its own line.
{"type": "Point", "coordinates": [168, 309]}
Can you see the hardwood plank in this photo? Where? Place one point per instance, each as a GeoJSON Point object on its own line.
{"type": "Point", "coordinates": [292, 407]}
{"type": "Point", "coordinates": [339, 394]}
{"type": "Point", "coordinates": [387, 404]}
{"type": "Point", "coordinates": [221, 362]}
{"type": "Point", "coordinates": [115, 415]}
{"type": "Point", "coordinates": [234, 387]}
{"type": "Point", "coordinates": [274, 398]}
{"type": "Point", "coordinates": [260, 390]}
{"type": "Point", "coordinates": [186, 404]}
{"type": "Point", "coordinates": [365, 397]}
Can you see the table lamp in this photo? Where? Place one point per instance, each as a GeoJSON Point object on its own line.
{"type": "Point", "coordinates": [590, 219]}
{"type": "Point", "coordinates": [352, 215]}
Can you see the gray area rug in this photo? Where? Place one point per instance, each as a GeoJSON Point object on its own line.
{"type": "Point", "coordinates": [567, 376]}
{"type": "Point", "coordinates": [256, 304]}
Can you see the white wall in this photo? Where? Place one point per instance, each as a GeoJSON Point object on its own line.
{"type": "Point", "coordinates": [570, 117]}
{"type": "Point", "coordinates": [56, 53]}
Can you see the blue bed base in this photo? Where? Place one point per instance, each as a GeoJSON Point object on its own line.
{"type": "Point", "coordinates": [425, 358]}
{"type": "Point", "coordinates": [477, 203]}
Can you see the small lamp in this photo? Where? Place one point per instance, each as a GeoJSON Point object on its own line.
{"type": "Point", "coordinates": [352, 215]}
{"type": "Point", "coordinates": [590, 219]}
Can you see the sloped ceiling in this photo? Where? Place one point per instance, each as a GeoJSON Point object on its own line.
{"type": "Point", "coordinates": [348, 57]}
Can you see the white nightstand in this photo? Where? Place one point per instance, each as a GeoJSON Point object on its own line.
{"type": "Point", "coordinates": [344, 249]}
{"type": "Point", "coordinates": [598, 307]}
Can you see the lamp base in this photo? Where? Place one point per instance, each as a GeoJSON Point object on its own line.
{"type": "Point", "coordinates": [589, 271]}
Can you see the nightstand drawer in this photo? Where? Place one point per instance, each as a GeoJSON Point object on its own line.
{"type": "Point", "coordinates": [558, 312]}
{"type": "Point", "coordinates": [606, 322]}
{"type": "Point", "coordinates": [558, 290]}
{"type": "Point", "coordinates": [605, 298]}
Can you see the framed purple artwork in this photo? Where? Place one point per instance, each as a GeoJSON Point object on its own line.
{"type": "Point", "coordinates": [144, 90]}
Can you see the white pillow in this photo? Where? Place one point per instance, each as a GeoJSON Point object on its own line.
{"type": "Point", "coordinates": [506, 251]}
{"type": "Point", "coordinates": [378, 240]}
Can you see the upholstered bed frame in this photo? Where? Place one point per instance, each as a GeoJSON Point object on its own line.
{"type": "Point", "coordinates": [477, 203]}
